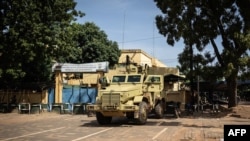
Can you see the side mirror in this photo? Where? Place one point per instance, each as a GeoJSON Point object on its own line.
{"type": "Point", "coordinates": [104, 82]}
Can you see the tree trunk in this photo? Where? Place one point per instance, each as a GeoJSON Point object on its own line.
{"type": "Point", "coordinates": [232, 91]}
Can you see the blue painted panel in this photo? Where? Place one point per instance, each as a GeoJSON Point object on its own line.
{"type": "Point", "coordinates": [76, 94]}
{"type": "Point", "coordinates": [88, 95]}
{"type": "Point", "coordinates": [51, 95]}
{"type": "Point", "coordinates": [67, 94]}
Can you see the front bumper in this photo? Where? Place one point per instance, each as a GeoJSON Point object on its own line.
{"type": "Point", "coordinates": [124, 108]}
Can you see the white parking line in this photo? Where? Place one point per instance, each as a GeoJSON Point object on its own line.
{"type": "Point", "coordinates": [84, 137]}
{"type": "Point", "coordinates": [31, 134]}
{"type": "Point", "coordinates": [163, 130]}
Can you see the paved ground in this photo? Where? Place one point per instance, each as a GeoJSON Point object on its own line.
{"type": "Point", "coordinates": [52, 127]}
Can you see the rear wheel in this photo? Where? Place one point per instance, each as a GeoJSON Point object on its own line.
{"type": "Point", "coordinates": [159, 111]}
{"type": "Point", "coordinates": [102, 119]}
{"type": "Point", "coordinates": [143, 114]}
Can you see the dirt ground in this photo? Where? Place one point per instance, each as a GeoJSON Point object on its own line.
{"type": "Point", "coordinates": [215, 133]}
{"type": "Point", "coordinates": [241, 111]}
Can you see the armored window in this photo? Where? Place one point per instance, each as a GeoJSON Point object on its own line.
{"type": "Point", "coordinates": [134, 78]}
{"type": "Point", "coordinates": [118, 79]}
{"type": "Point", "coordinates": [157, 79]}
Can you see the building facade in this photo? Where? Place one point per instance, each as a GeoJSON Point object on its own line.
{"type": "Point", "coordinates": [140, 57]}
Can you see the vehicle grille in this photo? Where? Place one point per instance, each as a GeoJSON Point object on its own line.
{"type": "Point", "coordinates": [111, 99]}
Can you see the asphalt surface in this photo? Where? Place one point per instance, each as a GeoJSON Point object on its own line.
{"type": "Point", "coordinates": [66, 127]}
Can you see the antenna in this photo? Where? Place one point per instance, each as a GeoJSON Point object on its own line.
{"type": "Point", "coordinates": [153, 39]}
{"type": "Point", "coordinates": [123, 28]}
{"type": "Point", "coordinates": [153, 54]}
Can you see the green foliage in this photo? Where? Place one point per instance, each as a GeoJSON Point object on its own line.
{"type": "Point", "coordinates": [245, 60]}
{"type": "Point", "coordinates": [34, 34]}
{"type": "Point", "coordinates": [88, 44]}
{"type": "Point", "coordinates": [200, 23]}
{"type": "Point", "coordinates": [202, 66]}
{"type": "Point", "coordinates": [96, 47]}
{"type": "Point", "coordinates": [29, 31]}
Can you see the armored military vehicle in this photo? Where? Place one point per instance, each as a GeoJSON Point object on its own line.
{"type": "Point", "coordinates": [133, 94]}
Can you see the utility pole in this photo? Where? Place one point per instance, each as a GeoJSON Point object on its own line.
{"type": "Point", "coordinates": [192, 73]}
{"type": "Point", "coordinates": [198, 91]}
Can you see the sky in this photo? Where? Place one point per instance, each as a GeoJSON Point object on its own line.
{"type": "Point", "coordinates": [131, 23]}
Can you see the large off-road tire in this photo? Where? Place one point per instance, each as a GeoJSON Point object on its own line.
{"type": "Point", "coordinates": [159, 110]}
{"type": "Point", "coordinates": [102, 119]}
{"type": "Point", "coordinates": [143, 113]}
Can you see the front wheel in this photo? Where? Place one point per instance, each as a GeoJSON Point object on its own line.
{"type": "Point", "coordinates": [143, 114]}
{"type": "Point", "coordinates": [102, 119]}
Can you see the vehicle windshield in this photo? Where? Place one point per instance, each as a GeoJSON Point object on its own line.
{"type": "Point", "coordinates": [134, 78]}
{"type": "Point", "coordinates": [118, 79]}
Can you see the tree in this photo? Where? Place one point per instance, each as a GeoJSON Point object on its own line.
{"type": "Point", "coordinates": [95, 45]}
{"type": "Point", "coordinates": [202, 65]}
{"type": "Point", "coordinates": [90, 44]}
{"type": "Point", "coordinates": [203, 70]}
{"type": "Point", "coordinates": [200, 23]}
{"type": "Point", "coordinates": [31, 31]}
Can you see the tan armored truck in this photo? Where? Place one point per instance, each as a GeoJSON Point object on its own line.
{"type": "Point", "coordinates": [133, 94]}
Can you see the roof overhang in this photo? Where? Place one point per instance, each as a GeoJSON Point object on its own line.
{"type": "Point", "coordinates": [173, 78]}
